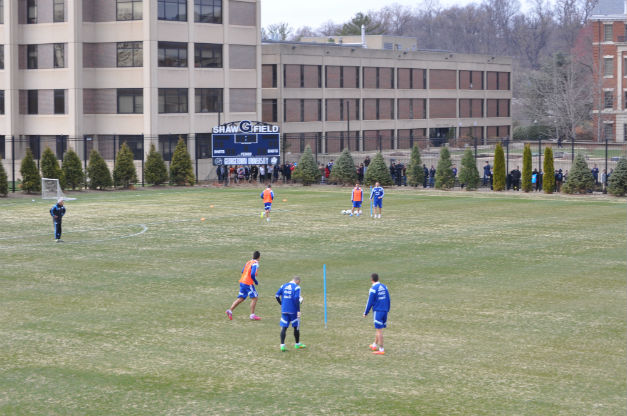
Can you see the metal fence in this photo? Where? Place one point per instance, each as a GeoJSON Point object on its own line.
{"type": "Point", "coordinates": [603, 156]}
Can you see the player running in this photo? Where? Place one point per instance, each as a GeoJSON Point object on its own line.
{"type": "Point", "coordinates": [267, 195]}
{"type": "Point", "coordinates": [356, 199]}
{"type": "Point", "coordinates": [289, 298]}
{"type": "Point", "coordinates": [376, 195]}
{"type": "Point", "coordinates": [379, 301]}
{"type": "Point", "coordinates": [247, 287]}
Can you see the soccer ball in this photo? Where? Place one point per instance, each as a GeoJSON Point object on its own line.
{"type": "Point", "coordinates": [345, 211]}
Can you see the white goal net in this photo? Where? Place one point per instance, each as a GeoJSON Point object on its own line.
{"type": "Point", "coordinates": [51, 189]}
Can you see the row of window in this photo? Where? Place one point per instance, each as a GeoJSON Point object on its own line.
{"type": "Point", "coordinates": [43, 101]}
{"type": "Point", "coordinates": [608, 100]}
{"type": "Point", "coordinates": [608, 33]}
{"type": "Point", "coordinates": [174, 54]}
{"type": "Point", "coordinates": [205, 11]}
{"type": "Point", "coordinates": [32, 15]}
{"type": "Point", "coordinates": [608, 66]}
{"type": "Point", "coordinates": [307, 110]}
{"type": "Point", "coordinates": [311, 76]}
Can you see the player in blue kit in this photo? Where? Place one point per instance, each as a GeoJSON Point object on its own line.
{"type": "Point", "coordinates": [289, 298]}
{"type": "Point", "coordinates": [379, 301]}
{"type": "Point", "coordinates": [376, 195]}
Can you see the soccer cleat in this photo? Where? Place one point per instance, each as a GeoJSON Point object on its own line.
{"type": "Point", "coordinates": [351, 214]}
{"type": "Point", "coordinates": [299, 346]}
{"type": "Point", "coordinates": [255, 318]}
{"type": "Point", "coordinates": [229, 314]}
{"type": "Point", "coordinates": [379, 352]}
{"type": "Point", "coordinates": [283, 348]}
{"type": "Point", "coordinates": [261, 215]}
{"type": "Point", "coordinates": [372, 347]}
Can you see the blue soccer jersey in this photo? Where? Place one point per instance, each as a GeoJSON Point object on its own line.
{"type": "Point", "coordinates": [378, 298]}
{"type": "Point", "coordinates": [290, 298]}
{"type": "Point", "coordinates": [377, 193]}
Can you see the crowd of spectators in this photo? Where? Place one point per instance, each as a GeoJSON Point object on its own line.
{"type": "Point", "coordinates": [255, 173]}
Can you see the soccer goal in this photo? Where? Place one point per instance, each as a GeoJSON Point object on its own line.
{"type": "Point", "coordinates": [51, 189]}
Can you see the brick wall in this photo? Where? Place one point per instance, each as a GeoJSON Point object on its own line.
{"type": "Point", "coordinates": [291, 78]}
{"type": "Point", "coordinates": [100, 55]}
{"type": "Point", "coordinates": [332, 76]}
{"type": "Point", "coordinates": [100, 101]}
{"type": "Point", "coordinates": [99, 11]}
{"type": "Point", "coordinates": [268, 76]}
{"type": "Point", "coordinates": [442, 108]}
{"type": "Point", "coordinates": [442, 79]}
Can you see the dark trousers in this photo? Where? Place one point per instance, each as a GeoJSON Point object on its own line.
{"type": "Point", "coordinates": [57, 229]}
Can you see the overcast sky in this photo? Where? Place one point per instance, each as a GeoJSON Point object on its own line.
{"type": "Point", "coordinates": [314, 13]}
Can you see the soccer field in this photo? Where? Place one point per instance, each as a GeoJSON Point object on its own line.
{"type": "Point", "coordinates": [502, 304]}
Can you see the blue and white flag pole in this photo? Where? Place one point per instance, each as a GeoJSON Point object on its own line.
{"type": "Point", "coordinates": [324, 281]}
{"type": "Point", "coordinates": [371, 202]}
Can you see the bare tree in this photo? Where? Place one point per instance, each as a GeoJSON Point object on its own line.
{"type": "Point", "coordinates": [394, 19]}
{"type": "Point", "coordinates": [277, 31]}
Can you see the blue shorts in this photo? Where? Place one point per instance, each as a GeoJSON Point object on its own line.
{"type": "Point", "coordinates": [380, 319]}
{"type": "Point", "coordinates": [289, 318]}
{"type": "Point", "coordinates": [356, 204]}
{"type": "Point", "coordinates": [378, 203]}
{"type": "Point", "coordinates": [267, 206]}
{"type": "Point", "coordinates": [247, 290]}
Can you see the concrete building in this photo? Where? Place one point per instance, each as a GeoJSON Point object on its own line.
{"type": "Point", "coordinates": [331, 96]}
{"type": "Point", "coordinates": [387, 42]}
{"type": "Point", "coordinates": [95, 73]}
{"type": "Point", "coordinates": [609, 45]}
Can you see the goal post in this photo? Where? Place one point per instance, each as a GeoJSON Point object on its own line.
{"type": "Point", "coordinates": [51, 189]}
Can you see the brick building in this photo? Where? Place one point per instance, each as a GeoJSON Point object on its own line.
{"type": "Point", "coordinates": [609, 21]}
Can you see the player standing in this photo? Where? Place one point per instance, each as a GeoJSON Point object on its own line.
{"type": "Point", "coordinates": [247, 287]}
{"type": "Point", "coordinates": [376, 195]}
{"type": "Point", "coordinates": [379, 301]}
{"type": "Point", "coordinates": [356, 199]}
{"type": "Point", "coordinates": [57, 212]}
{"type": "Point", "coordinates": [289, 298]}
{"type": "Point", "coordinates": [267, 195]}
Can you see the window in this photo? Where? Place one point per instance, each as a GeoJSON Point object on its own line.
{"type": "Point", "coordinates": [61, 142]}
{"type": "Point", "coordinates": [2, 146]}
{"type": "Point", "coordinates": [1, 11]}
{"type": "Point", "coordinates": [1, 55]}
{"type": "Point", "coordinates": [608, 33]}
{"type": "Point", "coordinates": [173, 54]}
{"type": "Point", "coordinates": [130, 54]}
{"type": "Point", "coordinates": [608, 99]}
{"type": "Point", "coordinates": [174, 10]}
{"type": "Point", "coordinates": [130, 9]}
{"type": "Point", "coordinates": [59, 101]}
{"type": "Point", "coordinates": [269, 113]}
{"type": "Point", "coordinates": [58, 11]}
{"type": "Point", "coordinates": [624, 66]}
{"type": "Point", "coordinates": [130, 101]}
{"type": "Point", "coordinates": [135, 143]}
{"type": "Point", "coordinates": [207, 55]}
{"type": "Point", "coordinates": [31, 56]}
{"type": "Point", "coordinates": [208, 11]}
{"type": "Point", "coordinates": [167, 144]}
{"type": "Point", "coordinates": [608, 131]}
{"type": "Point", "coordinates": [608, 67]}
{"type": "Point", "coordinates": [208, 100]}
{"type": "Point", "coordinates": [33, 105]}
{"type": "Point", "coordinates": [59, 55]}
{"type": "Point", "coordinates": [172, 100]}
{"type": "Point", "coordinates": [1, 101]}
{"type": "Point", "coordinates": [31, 11]}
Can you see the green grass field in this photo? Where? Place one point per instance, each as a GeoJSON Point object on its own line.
{"type": "Point", "coordinates": [502, 304]}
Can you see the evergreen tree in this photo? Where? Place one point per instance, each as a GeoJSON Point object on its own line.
{"type": "Point", "coordinates": [415, 172]}
{"type": "Point", "coordinates": [124, 173]}
{"type": "Point", "coordinates": [378, 172]}
{"type": "Point", "coordinates": [4, 182]}
{"type": "Point", "coordinates": [50, 165]}
{"type": "Point", "coordinates": [181, 170]}
{"type": "Point", "coordinates": [72, 170]}
{"type": "Point", "coordinates": [98, 172]}
{"type": "Point", "coordinates": [156, 172]}
{"type": "Point", "coordinates": [580, 179]}
{"type": "Point", "coordinates": [526, 171]}
{"type": "Point", "coordinates": [31, 181]}
{"type": "Point", "coordinates": [548, 180]}
{"type": "Point", "coordinates": [444, 178]}
{"type": "Point", "coordinates": [617, 184]}
{"type": "Point", "coordinates": [344, 171]}
{"type": "Point", "coordinates": [498, 180]}
{"type": "Point", "coordinates": [469, 174]}
{"type": "Point", "coordinates": [306, 170]}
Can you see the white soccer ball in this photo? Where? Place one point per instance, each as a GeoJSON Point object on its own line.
{"type": "Point", "coordinates": [345, 211]}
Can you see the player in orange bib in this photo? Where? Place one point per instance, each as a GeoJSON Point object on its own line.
{"type": "Point", "coordinates": [247, 287]}
{"type": "Point", "coordinates": [267, 195]}
{"type": "Point", "coordinates": [357, 198]}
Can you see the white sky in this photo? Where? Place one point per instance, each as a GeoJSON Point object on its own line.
{"type": "Point", "coordinates": [314, 13]}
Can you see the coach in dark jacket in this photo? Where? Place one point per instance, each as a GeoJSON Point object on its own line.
{"type": "Point", "coordinates": [57, 212]}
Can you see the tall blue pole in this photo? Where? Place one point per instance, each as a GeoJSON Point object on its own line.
{"type": "Point", "coordinates": [324, 280]}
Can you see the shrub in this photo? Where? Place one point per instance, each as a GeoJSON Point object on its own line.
{"type": "Point", "coordinates": [498, 180]}
{"type": "Point", "coordinates": [469, 174]}
{"type": "Point", "coordinates": [156, 172]}
{"type": "Point", "coordinates": [526, 172]}
{"type": "Point", "coordinates": [72, 170]}
{"type": "Point", "coordinates": [4, 183]}
{"type": "Point", "coordinates": [548, 180]}
{"type": "Point", "coordinates": [306, 170]}
{"type": "Point", "coordinates": [124, 173]}
{"type": "Point", "coordinates": [50, 167]}
{"type": "Point", "coordinates": [415, 172]}
{"type": "Point", "coordinates": [344, 171]}
{"type": "Point", "coordinates": [580, 179]}
{"type": "Point", "coordinates": [98, 172]}
{"type": "Point", "coordinates": [378, 172]}
{"type": "Point", "coordinates": [444, 178]}
{"type": "Point", "coordinates": [181, 170]}
{"type": "Point", "coordinates": [617, 184]}
{"type": "Point", "coordinates": [31, 181]}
